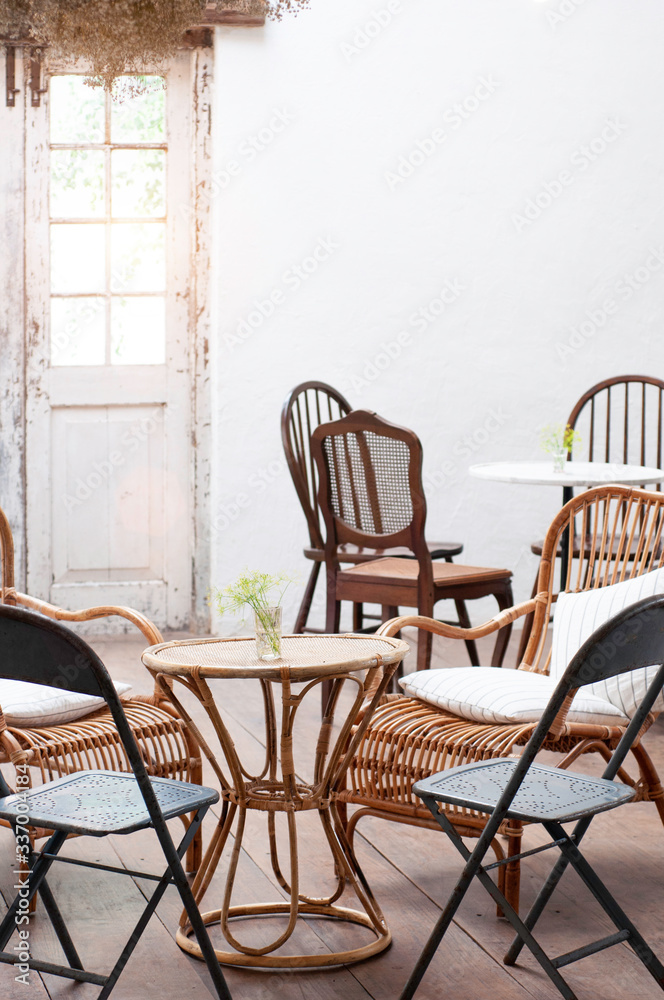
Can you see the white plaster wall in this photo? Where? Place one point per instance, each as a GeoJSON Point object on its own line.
{"type": "Point", "coordinates": [542, 83]}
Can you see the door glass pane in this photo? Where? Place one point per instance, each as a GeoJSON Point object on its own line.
{"type": "Point", "coordinates": [138, 328]}
{"type": "Point", "coordinates": [108, 277]}
{"type": "Point", "coordinates": [77, 111]}
{"type": "Point", "coordinates": [138, 260]}
{"type": "Point", "coordinates": [139, 117]}
{"type": "Point", "coordinates": [137, 183]}
{"type": "Point", "coordinates": [78, 331]}
{"type": "Point", "coordinates": [78, 255]}
{"type": "Point", "coordinates": [77, 183]}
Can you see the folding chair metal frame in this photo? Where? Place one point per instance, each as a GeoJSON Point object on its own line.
{"type": "Point", "coordinates": [633, 638]}
{"type": "Point", "coordinates": [41, 651]}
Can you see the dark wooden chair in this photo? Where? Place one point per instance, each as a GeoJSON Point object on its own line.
{"type": "Point", "coordinates": [371, 495]}
{"type": "Point", "coordinates": [621, 420]}
{"type": "Point", "coordinates": [308, 405]}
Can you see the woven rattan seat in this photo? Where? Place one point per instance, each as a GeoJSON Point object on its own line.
{"type": "Point", "coordinates": [408, 740]}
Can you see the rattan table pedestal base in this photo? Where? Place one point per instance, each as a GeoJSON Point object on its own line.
{"type": "Point", "coordinates": [363, 663]}
{"type": "Point", "coordinates": [339, 913]}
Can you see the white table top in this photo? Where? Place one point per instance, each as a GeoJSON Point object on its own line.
{"type": "Point", "coordinates": [575, 474]}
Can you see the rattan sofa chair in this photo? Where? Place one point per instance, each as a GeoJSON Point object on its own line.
{"type": "Point", "coordinates": [92, 740]}
{"type": "Point", "coordinates": [409, 739]}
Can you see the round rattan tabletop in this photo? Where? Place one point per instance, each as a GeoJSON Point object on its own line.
{"type": "Point", "coordinates": [303, 657]}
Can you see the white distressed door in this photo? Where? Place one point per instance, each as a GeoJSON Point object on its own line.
{"type": "Point", "coordinates": [112, 323]}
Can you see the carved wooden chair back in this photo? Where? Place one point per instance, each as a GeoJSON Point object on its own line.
{"type": "Point", "coordinates": [371, 491]}
{"type": "Point", "coordinates": [621, 420]}
{"type": "Point", "coordinates": [308, 405]}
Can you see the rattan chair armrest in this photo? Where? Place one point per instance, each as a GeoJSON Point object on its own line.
{"type": "Point", "coordinates": [499, 621]}
{"type": "Point", "coordinates": [143, 624]}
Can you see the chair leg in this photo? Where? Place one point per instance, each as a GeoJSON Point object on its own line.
{"type": "Point", "coordinates": [464, 622]}
{"type": "Point", "coordinates": [358, 617]}
{"type": "Point", "coordinates": [505, 600]}
{"type": "Point", "coordinates": [305, 606]}
{"type": "Point", "coordinates": [424, 646]}
{"type": "Point", "coordinates": [527, 627]}
{"type": "Point", "coordinates": [650, 776]}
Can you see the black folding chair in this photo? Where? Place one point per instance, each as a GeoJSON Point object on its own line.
{"type": "Point", "coordinates": [91, 803]}
{"type": "Point", "coordinates": [520, 789]}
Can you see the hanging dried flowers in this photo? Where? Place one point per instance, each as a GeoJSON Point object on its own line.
{"type": "Point", "coordinates": [118, 37]}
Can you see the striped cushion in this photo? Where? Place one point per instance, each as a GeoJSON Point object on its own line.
{"type": "Point", "coordinates": [26, 704]}
{"type": "Point", "coordinates": [576, 618]}
{"type": "Point", "coordinates": [494, 695]}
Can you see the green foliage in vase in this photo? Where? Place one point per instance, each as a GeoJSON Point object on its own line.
{"type": "Point", "coordinates": [254, 590]}
{"type": "Point", "coordinates": [558, 437]}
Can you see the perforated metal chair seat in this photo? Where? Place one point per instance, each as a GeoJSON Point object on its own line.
{"type": "Point", "coordinates": [98, 803]}
{"type": "Point", "coordinates": [546, 793]}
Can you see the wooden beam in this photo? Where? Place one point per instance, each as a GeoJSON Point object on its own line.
{"type": "Point", "coordinates": [246, 12]}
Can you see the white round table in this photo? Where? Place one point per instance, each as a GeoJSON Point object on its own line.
{"type": "Point", "coordinates": [574, 474]}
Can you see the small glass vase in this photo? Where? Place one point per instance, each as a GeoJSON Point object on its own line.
{"type": "Point", "coordinates": [559, 459]}
{"type": "Point", "coordinates": [267, 626]}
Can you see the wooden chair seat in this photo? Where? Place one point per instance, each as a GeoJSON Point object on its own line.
{"type": "Point", "coordinates": [359, 554]}
{"type": "Point", "coordinates": [395, 581]}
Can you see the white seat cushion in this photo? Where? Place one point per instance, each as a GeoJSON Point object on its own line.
{"type": "Point", "coordinates": [36, 705]}
{"type": "Point", "coordinates": [578, 615]}
{"type": "Point", "coordinates": [495, 695]}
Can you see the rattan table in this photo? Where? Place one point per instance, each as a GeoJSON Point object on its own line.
{"type": "Point", "coordinates": [364, 662]}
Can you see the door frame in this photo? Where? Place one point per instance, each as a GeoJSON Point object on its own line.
{"type": "Point", "coordinates": [35, 346]}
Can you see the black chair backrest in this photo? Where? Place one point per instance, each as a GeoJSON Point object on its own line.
{"type": "Point", "coordinates": [621, 420]}
{"type": "Point", "coordinates": [308, 405]}
{"type": "Point", "coordinates": [42, 651]}
{"type": "Point", "coordinates": [631, 639]}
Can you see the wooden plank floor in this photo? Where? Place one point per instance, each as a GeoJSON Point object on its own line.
{"type": "Point", "coordinates": [409, 870]}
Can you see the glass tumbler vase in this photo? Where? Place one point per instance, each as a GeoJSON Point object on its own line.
{"type": "Point", "coordinates": [559, 460]}
{"type": "Point", "coordinates": [267, 626]}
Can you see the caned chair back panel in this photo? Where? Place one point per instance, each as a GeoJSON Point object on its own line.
{"type": "Point", "coordinates": [369, 481]}
{"type": "Point", "coordinates": [621, 420]}
{"type": "Point", "coordinates": [371, 489]}
{"type": "Point", "coordinates": [308, 405]}
{"type": "Point", "coordinates": [622, 528]}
